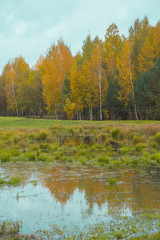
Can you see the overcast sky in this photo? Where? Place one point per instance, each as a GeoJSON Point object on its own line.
{"type": "Point", "coordinates": [28, 27]}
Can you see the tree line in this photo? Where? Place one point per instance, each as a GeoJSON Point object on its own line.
{"type": "Point", "coordinates": [114, 78]}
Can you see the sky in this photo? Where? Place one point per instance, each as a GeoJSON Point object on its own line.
{"type": "Point", "coordinates": [29, 27]}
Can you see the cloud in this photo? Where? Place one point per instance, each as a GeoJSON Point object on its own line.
{"type": "Point", "coordinates": [21, 28]}
{"type": "Point", "coordinates": [29, 27]}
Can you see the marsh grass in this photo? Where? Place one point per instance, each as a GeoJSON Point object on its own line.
{"type": "Point", "coordinates": [14, 181]}
{"type": "Point", "coordinates": [28, 156]}
{"type": "Point", "coordinates": [45, 158]}
{"type": "Point", "coordinates": [80, 142]}
{"type": "Point", "coordinates": [112, 181]}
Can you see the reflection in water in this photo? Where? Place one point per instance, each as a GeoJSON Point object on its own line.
{"type": "Point", "coordinates": [75, 196]}
{"type": "Point", "coordinates": [136, 189]}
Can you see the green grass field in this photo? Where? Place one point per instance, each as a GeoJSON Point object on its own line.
{"type": "Point", "coordinates": [14, 122]}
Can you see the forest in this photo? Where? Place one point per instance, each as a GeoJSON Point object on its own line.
{"type": "Point", "coordinates": [117, 78]}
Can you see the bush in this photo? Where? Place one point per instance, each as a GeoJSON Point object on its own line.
{"type": "Point", "coordinates": [45, 158]}
{"type": "Point", "coordinates": [138, 139]}
{"type": "Point", "coordinates": [126, 150]}
{"type": "Point", "coordinates": [140, 147]}
{"type": "Point", "coordinates": [54, 147]}
{"type": "Point", "coordinates": [58, 155]}
{"type": "Point", "coordinates": [82, 160]}
{"type": "Point", "coordinates": [112, 181]}
{"type": "Point", "coordinates": [44, 146]}
{"type": "Point", "coordinates": [29, 156]}
{"type": "Point", "coordinates": [157, 138]}
{"type": "Point", "coordinates": [88, 139]}
{"type": "Point", "coordinates": [5, 156]}
{"type": "Point", "coordinates": [12, 181]}
{"type": "Point", "coordinates": [103, 159]}
{"type": "Point", "coordinates": [42, 136]}
{"type": "Point", "coordinates": [135, 161]}
{"type": "Point", "coordinates": [156, 157]}
{"type": "Point", "coordinates": [117, 134]}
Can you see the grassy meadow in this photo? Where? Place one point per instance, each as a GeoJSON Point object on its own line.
{"type": "Point", "coordinates": [14, 122]}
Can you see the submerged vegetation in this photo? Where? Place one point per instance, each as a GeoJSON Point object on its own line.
{"type": "Point", "coordinates": [14, 181]}
{"type": "Point", "coordinates": [127, 228]}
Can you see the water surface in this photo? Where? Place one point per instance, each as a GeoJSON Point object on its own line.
{"type": "Point", "coordinates": [75, 196]}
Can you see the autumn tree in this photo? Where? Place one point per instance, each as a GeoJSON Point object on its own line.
{"type": "Point", "coordinates": [77, 84]}
{"type": "Point", "coordinates": [137, 35]}
{"type": "Point", "coordinates": [56, 67]}
{"type": "Point", "coordinates": [99, 74]}
{"type": "Point", "coordinates": [3, 106]}
{"type": "Point", "coordinates": [147, 55]}
{"type": "Point", "coordinates": [156, 41]}
{"type": "Point", "coordinates": [69, 108]}
{"type": "Point", "coordinates": [113, 46]}
{"type": "Point", "coordinates": [88, 78]}
{"type": "Point", "coordinates": [125, 78]}
{"type": "Point", "coordinates": [10, 88]}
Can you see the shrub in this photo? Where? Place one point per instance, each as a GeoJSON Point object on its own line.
{"type": "Point", "coordinates": [138, 139]}
{"type": "Point", "coordinates": [135, 161]}
{"type": "Point", "coordinates": [116, 163]}
{"type": "Point", "coordinates": [44, 146]}
{"type": "Point", "coordinates": [71, 132]}
{"type": "Point", "coordinates": [154, 145]}
{"type": "Point", "coordinates": [31, 136]}
{"type": "Point", "coordinates": [34, 147]}
{"type": "Point", "coordinates": [5, 156]}
{"type": "Point", "coordinates": [14, 181]}
{"type": "Point", "coordinates": [42, 136]}
{"type": "Point", "coordinates": [140, 147]}
{"type": "Point", "coordinates": [156, 157]}
{"type": "Point", "coordinates": [42, 157]}
{"type": "Point", "coordinates": [29, 156]}
{"type": "Point", "coordinates": [157, 138]}
{"type": "Point", "coordinates": [45, 158]}
{"type": "Point", "coordinates": [83, 160]}
{"type": "Point", "coordinates": [82, 152]}
{"type": "Point", "coordinates": [15, 152]}
{"type": "Point", "coordinates": [58, 155]}
{"type": "Point", "coordinates": [103, 137]}
{"type": "Point", "coordinates": [103, 159]}
{"type": "Point", "coordinates": [54, 147]}
{"type": "Point", "coordinates": [88, 139]}
{"type": "Point", "coordinates": [118, 235]}
{"type": "Point", "coordinates": [112, 181]}
{"type": "Point", "coordinates": [117, 134]}
{"type": "Point", "coordinates": [126, 150]}
{"type": "Point", "coordinates": [126, 160]}
{"type": "Point", "coordinates": [98, 147]}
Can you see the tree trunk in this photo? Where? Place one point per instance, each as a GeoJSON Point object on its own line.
{"type": "Point", "coordinates": [80, 116]}
{"type": "Point", "coordinates": [14, 95]}
{"type": "Point", "coordinates": [90, 113]}
{"type": "Point", "coordinates": [134, 101]}
{"type": "Point", "coordinates": [100, 90]}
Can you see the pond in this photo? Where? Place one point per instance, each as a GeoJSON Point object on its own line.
{"type": "Point", "coordinates": [75, 197]}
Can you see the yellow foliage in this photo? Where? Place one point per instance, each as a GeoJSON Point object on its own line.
{"type": "Point", "coordinates": [125, 73]}
{"type": "Point", "coordinates": [69, 108]}
{"type": "Point", "coordinates": [55, 70]}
